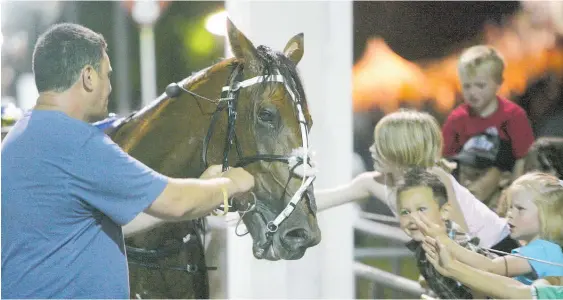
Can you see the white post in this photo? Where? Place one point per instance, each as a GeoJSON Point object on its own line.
{"type": "Point", "coordinates": [326, 271]}
{"type": "Point", "coordinates": [145, 13]}
{"type": "Point", "coordinates": [148, 64]}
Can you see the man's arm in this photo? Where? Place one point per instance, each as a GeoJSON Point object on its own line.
{"type": "Point", "coordinates": [181, 200]}
{"type": "Point", "coordinates": [142, 223]}
{"type": "Point", "coordinates": [185, 199]}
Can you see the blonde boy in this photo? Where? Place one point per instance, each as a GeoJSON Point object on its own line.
{"type": "Point", "coordinates": [480, 70]}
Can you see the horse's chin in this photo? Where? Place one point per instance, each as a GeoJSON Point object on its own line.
{"type": "Point", "coordinates": [277, 251]}
{"type": "Point", "coordinates": [267, 254]}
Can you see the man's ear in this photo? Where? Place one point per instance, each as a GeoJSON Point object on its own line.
{"type": "Point", "coordinates": [87, 76]}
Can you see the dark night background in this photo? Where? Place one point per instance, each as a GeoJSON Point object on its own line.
{"type": "Point", "coordinates": [415, 30]}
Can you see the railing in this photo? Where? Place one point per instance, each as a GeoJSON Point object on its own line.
{"type": "Point", "coordinates": [388, 279]}
{"type": "Point", "coordinates": [379, 277]}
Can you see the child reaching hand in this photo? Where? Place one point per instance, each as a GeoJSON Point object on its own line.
{"type": "Point", "coordinates": [535, 216]}
{"type": "Point", "coordinates": [488, 283]}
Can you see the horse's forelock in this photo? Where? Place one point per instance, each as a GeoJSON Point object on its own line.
{"type": "Point", "coordinates": [274, 61]}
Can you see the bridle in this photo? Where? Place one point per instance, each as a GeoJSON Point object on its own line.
{"type": "Point", "coordinates": [229, 100]}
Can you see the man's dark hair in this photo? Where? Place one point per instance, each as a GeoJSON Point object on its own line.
{"type": "Point", "coordinates": [60, 54]}
{"type": "Point", "coordinates": [417, 177]}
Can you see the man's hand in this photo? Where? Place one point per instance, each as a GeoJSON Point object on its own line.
{"type": "Point", "coordinates": [241, 179]}
{"type": "Point", "coordinates": [213, 171]}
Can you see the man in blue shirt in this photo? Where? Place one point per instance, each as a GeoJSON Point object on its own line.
{"type": "Point", "coordinates": [67, 188]}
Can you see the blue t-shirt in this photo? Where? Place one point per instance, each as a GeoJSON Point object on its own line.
{"type": "Point", "coordinates": [542, 250]}
{"type": "Point", "coordinates": [66, 191]}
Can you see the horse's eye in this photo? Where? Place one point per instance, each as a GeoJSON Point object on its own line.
{"type": "Point", "coordinates": [266, 115]}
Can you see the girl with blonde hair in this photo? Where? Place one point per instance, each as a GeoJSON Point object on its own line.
{"type": "Point", "coordinates": [408, 138]}
{"type": "Point", "coordinates": [535, 216]}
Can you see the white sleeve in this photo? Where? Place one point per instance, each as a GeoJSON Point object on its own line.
{"type": "Point", "coordinates": [481, 221]}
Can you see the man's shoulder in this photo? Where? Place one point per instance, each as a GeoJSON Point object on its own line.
{"type": "Point", "coordinates": [57, 125]}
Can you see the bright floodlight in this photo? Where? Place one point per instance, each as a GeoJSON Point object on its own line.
{"type": "Point", "coordinates": [217, 23]}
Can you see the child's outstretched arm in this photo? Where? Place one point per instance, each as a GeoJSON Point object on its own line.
{"type": "Point", "coordinates": [487, 283]}
{"type": "Point", "coordinates": [506, 266]}
{"type": "Point", "coordinates": [360, 188]}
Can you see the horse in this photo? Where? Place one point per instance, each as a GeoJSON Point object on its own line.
{"type": "Point", "coordinates": [246, 111]}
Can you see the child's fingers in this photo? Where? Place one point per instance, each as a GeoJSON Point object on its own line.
{"type": "Point", "coordinates": [431, 241]}
{"type": "Point", "coordinates": [442, 250]}
{"type": "Point", "coordinates": [425, 220]}
{"type": "Point", "coordinates": [421, 225]}
{"type": "Point", "coordinates": [433, 260]}
{"type": "Point", "coordinates": [429, 249]}
{"type": "Point", "coordinates": [441, 247]}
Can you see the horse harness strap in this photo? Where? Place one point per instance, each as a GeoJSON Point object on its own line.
{"type": "Point", "coordinates": [229, 100]}
{"type": "Point", "coordinates": [230, 93]}
{"type": "Point", "coordinates": [149, 258]}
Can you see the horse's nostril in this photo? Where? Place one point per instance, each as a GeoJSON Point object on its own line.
{"type": "Point", "coordinates": [297, 236]}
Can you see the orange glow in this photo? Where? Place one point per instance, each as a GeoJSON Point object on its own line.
{"type": "Point", "coordinates": [383, 79]}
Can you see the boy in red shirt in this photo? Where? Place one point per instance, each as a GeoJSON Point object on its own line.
{"type": "Point", "coordinates": [480, 70]}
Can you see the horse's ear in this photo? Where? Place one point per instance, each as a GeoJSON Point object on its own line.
{"type": "Point", "coordinates": [242, 47]}
{"type": "Point", "coordinates": [294, 48]}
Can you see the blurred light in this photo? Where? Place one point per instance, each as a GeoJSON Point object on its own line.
{"type": "Point", "coordinates": [199, 41]}
{"type": "Point", "coordinates": [1, 35]}
{"type": "Point", "coordinates": [217, 23]}
{"type": "Point", "coordinates": [26, 91]}
{"type": "Point", "coordinates": [146, 12]}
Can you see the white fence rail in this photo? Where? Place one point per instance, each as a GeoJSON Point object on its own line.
{"type": "Point", "coordinates": [369, 224]}
{"type": "Point", "coordinates": [381, 230]}
{"type": "Point", "coordinates": [388, 279]}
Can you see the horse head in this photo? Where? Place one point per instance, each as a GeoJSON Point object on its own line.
{"type": "Point", "coordinates": [248, 111]}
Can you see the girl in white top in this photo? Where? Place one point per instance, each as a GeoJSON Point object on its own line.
{"type": "Point", "coordinates": [410, 138]}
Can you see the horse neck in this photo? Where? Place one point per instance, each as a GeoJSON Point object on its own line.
{"type": "Point", "coordinates": [172, 142]}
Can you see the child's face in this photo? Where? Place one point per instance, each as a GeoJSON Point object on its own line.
{"type": "Point", "coordinates": [478, 87]}
{"type": "Point", "coordinates": [468, 175]}
{"type": "Point", "coordinates": [523, 216]}
{"type": "Point", "coordinates": [418, 199]}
